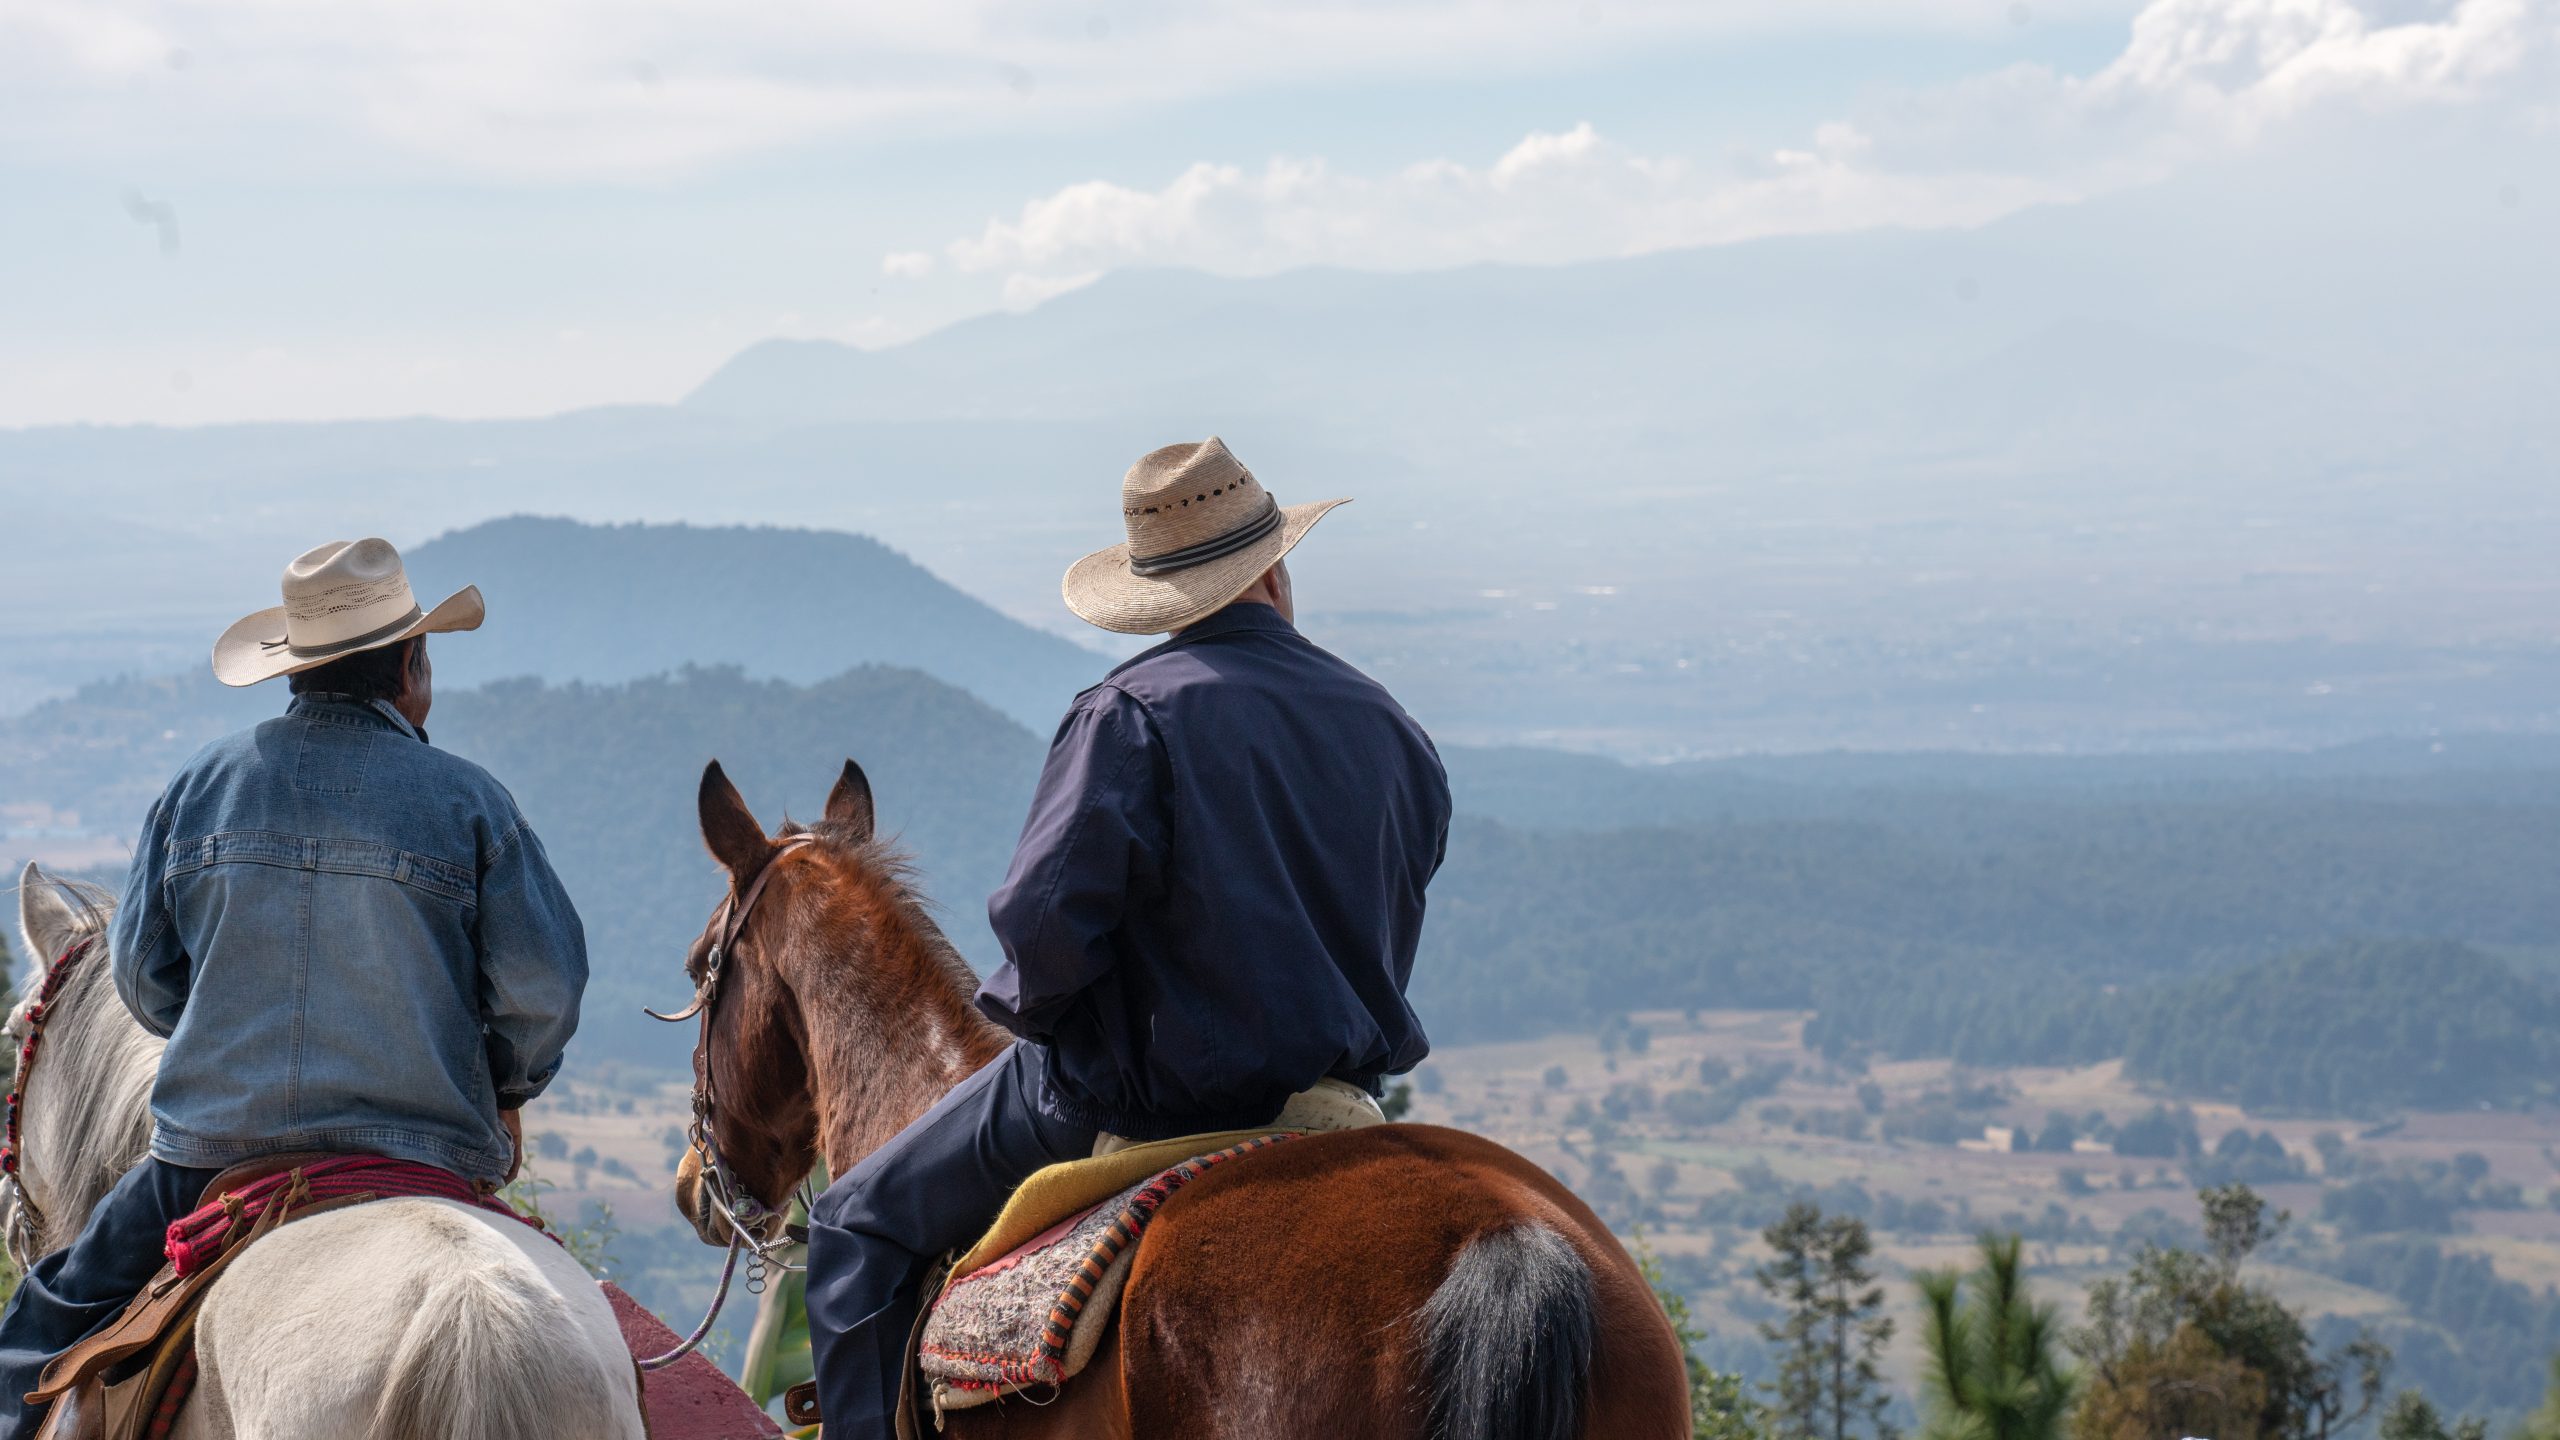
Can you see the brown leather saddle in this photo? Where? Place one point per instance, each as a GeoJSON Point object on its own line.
{"type": "Point", "coordinates": [128, 1381]}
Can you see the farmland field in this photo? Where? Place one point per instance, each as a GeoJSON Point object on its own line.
{"type": "Point", "coordinates": [1618, 1117]}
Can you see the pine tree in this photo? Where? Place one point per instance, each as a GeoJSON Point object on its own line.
{"type": "Point", "coordinates": [2544, 1422]}
{"type": "Point", "coordinates": [1991, 1373]}
{"type": "Point", "coordinates": [1830, 1382]}
{"type": "Point", "coordinates": [2411, 1417]}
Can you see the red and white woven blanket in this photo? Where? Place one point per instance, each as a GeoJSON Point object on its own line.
{"type": "Point", "coordinates": [197, 1239]}
{"type": "Point", "coordinates": [1034, 1316]}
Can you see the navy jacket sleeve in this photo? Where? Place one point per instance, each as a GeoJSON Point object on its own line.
{"type": "Point", "coordinates": [1094, 842]}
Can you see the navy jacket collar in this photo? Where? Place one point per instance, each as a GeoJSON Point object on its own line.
{"type": "Point", "coordinates": [1235, 619]}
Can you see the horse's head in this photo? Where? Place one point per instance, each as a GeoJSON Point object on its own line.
{"type": "Point", "coordinates": [833, 1000]}
{"type": "Point", "coordinates": [83, 1112]}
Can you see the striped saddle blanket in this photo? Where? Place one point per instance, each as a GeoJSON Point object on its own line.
{"type": "Point", "coordinates": [1019, 1313]}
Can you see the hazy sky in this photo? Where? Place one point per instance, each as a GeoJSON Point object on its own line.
{"type": "Point", "coordinates": [299, 209]}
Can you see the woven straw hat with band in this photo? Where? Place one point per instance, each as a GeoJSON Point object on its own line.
{"type": "Point", "coordinates": [340, 599]}
{"type": "Point", "coordinates": [1201, 531]}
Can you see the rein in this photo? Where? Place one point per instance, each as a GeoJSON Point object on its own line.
{"type": "Point", "coordinates": [720, 1185]}
{"type": "Point", "coordinates": [23, 1218]}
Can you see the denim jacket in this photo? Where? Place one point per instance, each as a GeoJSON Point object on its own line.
{"type": "Point", "coordinates": [351, 940]}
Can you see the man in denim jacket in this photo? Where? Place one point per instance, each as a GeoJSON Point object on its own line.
{"type": "Point", "coordinates": [350, 939]}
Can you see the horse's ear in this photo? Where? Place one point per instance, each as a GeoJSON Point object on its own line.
{"type": "Point", "coordinates": [729, 827]}
{"type": "Point", "coordinates": [849, 804]}
{"type": "Point", "coordinates": [45, 917]}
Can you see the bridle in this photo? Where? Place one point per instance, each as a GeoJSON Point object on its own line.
{"type": "Point", "coordinates": [720, 1186]}
{"type": "Point", "coordinates": [24, 1220]}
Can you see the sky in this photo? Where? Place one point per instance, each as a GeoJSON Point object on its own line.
{"type": "Point", "coordinates": [291, 209]}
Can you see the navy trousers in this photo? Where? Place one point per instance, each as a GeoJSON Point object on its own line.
{"type": "Point", "coordinates": [934, 1188]}
{"type": "Point", "coordinates": [75, 1291]}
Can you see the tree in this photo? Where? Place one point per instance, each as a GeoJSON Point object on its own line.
{"type": "Point", "coordinates": [1720, 1406]}
{"type": "Point", "coordinates": [2412, 1418]}
{"type": "Point", "coordinates": [1990, 1371]}
{"type": "Point", "coordinates": [1398, 1102]}
{"type": "Point", "coordinates": [1830, 1381]}
{"type": "Point", "coordinates": [2544, 1422]}
{"type": "Point", "coordinates": [2180, 1385]}
{"type": "Point", "coordinates": [2183, 1342]}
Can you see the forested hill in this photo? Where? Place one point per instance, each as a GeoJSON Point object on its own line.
{"type": "Point", "coordinates": [615, 602]}
{"type": "Point", "coordinates": [1997, 910]}
{"type": "Point", "coordinates": [2354, 1027]}
{"type": "Point", "coordinates": [1983, 926]}
{"type": "Point", "coordinates": [608, 776]}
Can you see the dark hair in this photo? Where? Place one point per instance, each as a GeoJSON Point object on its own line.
{"type": "Point", "coordinates": [366, 675]}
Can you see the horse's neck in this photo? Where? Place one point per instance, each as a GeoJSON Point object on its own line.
{"type": "Point", "coordinates": [87, 1115]}
{"type": "Point", "coordinates": [881, 1053]}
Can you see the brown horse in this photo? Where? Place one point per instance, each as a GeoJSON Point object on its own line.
{"type": "Point", "coordinates": [1389, 1282]}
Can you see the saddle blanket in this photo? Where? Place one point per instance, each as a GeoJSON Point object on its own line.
{"type": "Point", "coordinates": [1034, 1313]}
{"type": "Point", "coordinates": [196, 1238]}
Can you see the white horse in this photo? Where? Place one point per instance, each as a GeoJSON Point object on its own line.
{"type": "Point", "coordinates": [408, 1319]}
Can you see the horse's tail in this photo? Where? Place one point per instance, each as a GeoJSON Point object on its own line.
{"type": "Point", "coordinates": [483, 1359]}
{"type": "Point", "coordinates": [1509, 1337]}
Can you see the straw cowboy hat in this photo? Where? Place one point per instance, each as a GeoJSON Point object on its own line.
{"type": "Point", "coordinates": [344, 597]}
{"type": "Point", "coordinates": [1201, 531]}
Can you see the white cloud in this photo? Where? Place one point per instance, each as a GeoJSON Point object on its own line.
{"type": "Point", "coordinates": [1553, 197]}
{"type": "Point", "coordinates": [2196, 77]}
{"type": "Point", "coordinates": [638, 89]}
{"type": "Point", "coordinates": [1021, 292]}
{"type": "Point", "coordinates": [95, 41]}
{"type": "Point", "coordinates": [908, 264]}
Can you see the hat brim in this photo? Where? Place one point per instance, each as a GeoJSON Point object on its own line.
{"type": "Point", "coordinates": [253, 649]}
{"type": "Point", "coordinates": [1103, 591]}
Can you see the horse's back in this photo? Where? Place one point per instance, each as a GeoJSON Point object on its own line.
{"type": "Point", "coordinates": [1289, 1294]}
{"type": "Point", "coordinates": [413, 1317]}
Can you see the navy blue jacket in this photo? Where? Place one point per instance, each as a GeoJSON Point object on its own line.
{"type": "Point", "coordinates": [1216, 898]}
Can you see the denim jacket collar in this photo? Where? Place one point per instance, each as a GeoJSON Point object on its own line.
{"type": "Point", "coordinates": [329, 707]}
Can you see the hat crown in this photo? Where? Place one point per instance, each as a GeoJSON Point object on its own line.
{"type": "Point", "coordinates": [344, 591]}
{"type": "Point", "coordinates": [1185, 496]}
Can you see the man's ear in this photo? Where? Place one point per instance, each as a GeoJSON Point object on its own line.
{"type": "Point", "coordinates": [729, 828]}
{"type": "Point", "coordinates": [849, 804]}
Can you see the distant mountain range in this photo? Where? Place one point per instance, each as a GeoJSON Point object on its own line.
{"type": "Point", "coordinates": [1924, 903]}
{"type": "Point", "coordinates": [2207, 464]}
{"type": "Point", "coordinates": [2170, 319]}
{"type": "Point", "coordinates": [616, 602]}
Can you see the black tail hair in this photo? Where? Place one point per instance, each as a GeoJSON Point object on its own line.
{"type": "Point", "coordinates": [1509, 1336]}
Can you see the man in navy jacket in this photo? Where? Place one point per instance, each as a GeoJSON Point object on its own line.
{"type": "Point", "coordinates": [1214, 906]}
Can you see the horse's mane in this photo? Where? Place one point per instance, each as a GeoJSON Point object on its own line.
{"type": "Point", "coordinates": [888, 871]}
{"type": "Point", "coordinates": [98, 1066]}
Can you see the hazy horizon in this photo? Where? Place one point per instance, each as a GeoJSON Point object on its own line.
{"type": "Point", "coordinates": [225, 214]}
